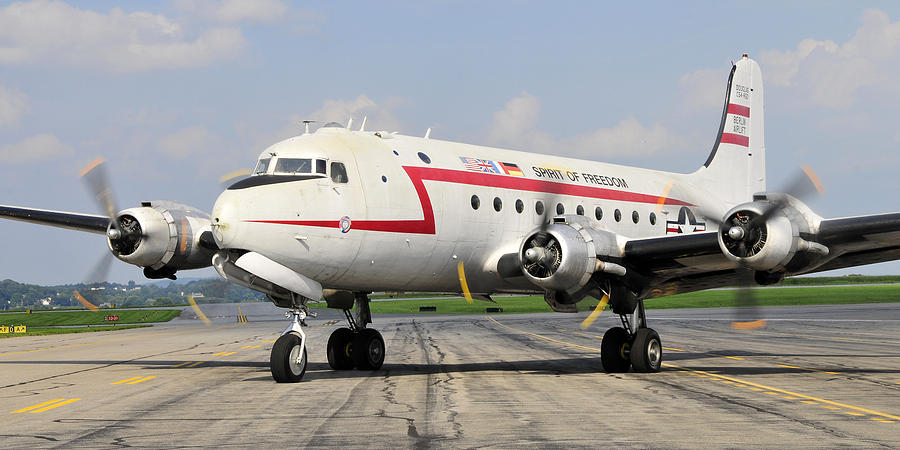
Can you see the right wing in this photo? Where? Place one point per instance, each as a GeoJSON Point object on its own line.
{"type": "Point", "coordinates": [73, 221]}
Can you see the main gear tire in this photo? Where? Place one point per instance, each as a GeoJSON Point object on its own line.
{"type": "Point", "coordinates": [615, 349]}
{"type": "Point", "coordinates": [339, 345]}
{"type": "Point", "coordinates": [367, 350]}
{"type": "Point", "coordinates": [646, 351]}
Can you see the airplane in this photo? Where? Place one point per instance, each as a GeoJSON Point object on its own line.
{"type": "Point", "coordinates": [336, 214]}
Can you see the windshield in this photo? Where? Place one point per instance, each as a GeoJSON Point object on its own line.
{"type": "Point", "coordinates": [262, 166]}
{"type": "Point", "coordinates": [293, 165]}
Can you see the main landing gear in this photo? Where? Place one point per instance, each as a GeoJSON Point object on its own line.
{"type": "Point", "coordinates": [631, 345]}
{"type": "Point", "coordinates": [356, 346]}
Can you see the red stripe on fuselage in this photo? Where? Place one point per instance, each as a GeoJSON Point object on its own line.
{"type": "Point", "coordinates": [426, 225]}
{"type": "Point", "coordinates": [739, 110]}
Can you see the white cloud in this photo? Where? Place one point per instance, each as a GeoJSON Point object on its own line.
{"type": "Point", "coordinates": [55, 32]}
{"type": "Point", "coordinates": [233, 11]}
{"type": "Point", "coordinates": [832, 74]}
{"type": "Point", "coordinates": [516, 126]}
{"type": "Point", "coordinates": [185, 142]}
{"type": "Point", "coordinates": [12, 105]}
{"type": "Point", "coordinates": [34, 149]}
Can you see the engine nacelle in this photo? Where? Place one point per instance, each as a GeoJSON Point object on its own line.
{"type": "Point", "coordinates": [162, 237]}
{"type": "Point", "coordinates": [769, 245]}
{"type": "Point", "coordinates": [563, 256]}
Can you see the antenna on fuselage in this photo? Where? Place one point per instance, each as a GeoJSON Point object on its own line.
{"type": "Point", "coordinates": [349, 123]}
{"type": "Point", "coordinates": [363, 126]}
{"type": "Point", "coordinates": [306, 123]}
{"type": "Point", "coordinates": [428, 133]}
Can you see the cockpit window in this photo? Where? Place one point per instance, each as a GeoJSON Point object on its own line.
{"type": "Point", "coordinates": [338, 172]}
{"type": "Point", "coordinates": [293, 165]}
{"type": "Point", "coordinates": [262, 166]}
{"type": "Point", "coordinates": [320, 166]}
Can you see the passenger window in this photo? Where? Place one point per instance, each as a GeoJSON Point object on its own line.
{"type": "Point", "coordinates": [262, 166]}
{"type": "Point", "coordinates": [338, 172]}
{"type": "Point", "coordinates": [617, 215]}
{"type": "Point", "coordinates": [320, 166]}
{"type": "Point", "coordinates": [293, 165]}
{"type": "Point", "coordinates": [579, 210]}
{"type": "Point", "coordinates": [635, 217]}
{"type": "Point", "coordinates": [560, 209]}
{"type": "Point", "coordinates": [476, 202]}
{"type": "Point", "coordinates": [539, 208]}
{"type": "Point", "coordinates": [520, 206]}
{"type": "Point", "coordinates": [498, 204]}
{"type": "Point", "coordinates": [652, 218]}
{"type": "Point", "coordinates": [598, 213]}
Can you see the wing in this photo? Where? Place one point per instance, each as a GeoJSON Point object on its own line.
{"type": "Point", "coordinates": [73, 221]}
{"type": "Point", "coordinates": [691, 262]}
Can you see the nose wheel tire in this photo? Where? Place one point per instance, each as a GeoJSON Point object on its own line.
{"type": "Point", "coordinates": [339, 349]}
{"type": "Point", "coordinates": [646, 351]}
{"type": "Point", "coordinates": [367, 349]}
{"type": "Point", "coordinates": [288, 359]}
{"type": "Point", "coordinates": [615, 349]}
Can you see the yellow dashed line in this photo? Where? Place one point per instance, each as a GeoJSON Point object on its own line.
{"type": "Point", "coordinates": [224, 353]}
{"type": "Point", "coordinates": [182, 364]}
{"type": "Point", "coordinates": [679, 350]}
{"type": "Point", "coordinates": [829, 407]}
{"type": "Point", "coordinates": [72, 400]}
{"type": "Point", "coordinates": [141, 380]}
{"type": "Point", "coordinates": [755, 386]}
{"type": "Point", "coordinates": [788, 397]}
{"type": "Point", "coordinates": [36, 406]}
{"type": "Point", "coordinates": [754, 389]}
{"type": "Point", "coordinates": [881, 420]}
{"type": "Point", "coordinates": [852, 413]}
{"type": "Point", "coordinates": [735, 358]}
{"type": "Point", "coordinates": [251, 346]}
{"type": "Point", "coordinates": [126, 380]}
{"type": "Point", "coordinates": [196, 364]}
{"type": "Point", "coordinates": [268, 342]}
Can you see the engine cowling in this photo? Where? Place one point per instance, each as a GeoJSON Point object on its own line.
{"type": "Point", "coordinates": [163, 237]}
{"type": "Point", "coordinates": [766, 235]}
{"type": "Point", "coordinates": [563, 256]}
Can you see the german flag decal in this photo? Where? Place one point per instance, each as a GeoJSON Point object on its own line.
{"type": "Point", "coordinates": [511, 169]}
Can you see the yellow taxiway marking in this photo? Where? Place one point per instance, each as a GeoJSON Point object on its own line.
{"type": "Point", "coordinates": [142, 380]}
{"type": "Point", "coordinates": [182, 364]}
{"type": "Point", "coordinates": [674, 349]}
{"type": "Point", "coordinates": [196, 364]}
{"type": "Point", "coordinates": [268, 342]}
{"type": "Point", "coordinates": [775, 390]}
{"type": "Point", "coordinates": [881, 420]}
{"type": "Point", "coordinates": [853, 413]}
{"type": "Point", "coordinates": [737, 358]}
{"type": "Point", "coordinates": [770, 393]}
{"type": "Point", "coordinates": [56, 405]}
{"type": "Point", "coordinates": [224, 353]}
{"type": "Point", "coordinates": [36, 406]}
{"type": "Point", "coordinates": [251, 346]}
{"type": "Point", "coordinates": [126, 380]}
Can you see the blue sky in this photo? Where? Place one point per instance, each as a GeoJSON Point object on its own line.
{"type": "Point", "coordinates": [174, 94]}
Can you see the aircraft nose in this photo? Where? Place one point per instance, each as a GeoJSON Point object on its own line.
{"type": "Point", "coordinates": [225, 219]}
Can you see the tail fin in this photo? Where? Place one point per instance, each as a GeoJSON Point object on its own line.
{"type": "Point", "coordinates": [736, 167]}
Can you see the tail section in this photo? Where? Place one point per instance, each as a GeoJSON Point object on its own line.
{"type": "Point", "coordinates": [736, 167]}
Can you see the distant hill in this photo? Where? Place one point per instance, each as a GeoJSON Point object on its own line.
{"type": "Point", "coordinates": [14, 295]}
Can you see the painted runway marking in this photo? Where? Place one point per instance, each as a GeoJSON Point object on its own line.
{"type": "Point", "coordinates": [125, 380]}
{"type": "Point", "coordinates": [46, 406]}
{"type": "Point", "coordinates": [142, 380]}
{"type": "Point", "coordinates": [751, 385]}
{"type": "Point", "coordinates": [251, 346]}
{"type": "Point", "coordinates": [224, 353]}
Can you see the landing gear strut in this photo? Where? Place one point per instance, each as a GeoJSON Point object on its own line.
{"type": "Point", "coordinates": [356, 346]}
{"type": "Point", "coordinates": [631, 345]}
{"type": "Point", "coordinates": [288, 358]}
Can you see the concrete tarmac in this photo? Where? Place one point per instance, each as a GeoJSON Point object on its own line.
{"type": "Point", "coordinates": [822, 376]}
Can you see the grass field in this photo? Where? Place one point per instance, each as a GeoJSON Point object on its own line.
{"type": "Point", "coordinates": [703, 299]}
{"type": "Point", "coordinates": [41, 323]}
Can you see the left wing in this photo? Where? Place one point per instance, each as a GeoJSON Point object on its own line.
{"type": "Point", "coordinates": [690, 262]}
{"type": "Point", "coordinates": [82, 222]}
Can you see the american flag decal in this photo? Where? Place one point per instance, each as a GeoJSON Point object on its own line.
{"type": "Point", "coordinates": [481, 165]}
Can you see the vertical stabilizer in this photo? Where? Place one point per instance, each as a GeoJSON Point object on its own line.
{"type": "Point", "coordinates": [736, 167]}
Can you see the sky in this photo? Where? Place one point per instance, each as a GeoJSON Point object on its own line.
{"type": "Point", "coordinates": [175, 94]}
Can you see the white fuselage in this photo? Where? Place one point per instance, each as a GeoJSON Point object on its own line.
{"type": "Point", "coordinates": [402, 221]}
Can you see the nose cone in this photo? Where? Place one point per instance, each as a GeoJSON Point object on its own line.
{"type": "Point", "coordinates": [225, 219]}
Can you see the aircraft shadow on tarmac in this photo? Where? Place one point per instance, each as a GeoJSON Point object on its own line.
{"type": "Point", "coordinates": [560, 366]}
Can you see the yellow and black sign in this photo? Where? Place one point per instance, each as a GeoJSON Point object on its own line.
{"type": "Point", "coordinates": [13, 329]}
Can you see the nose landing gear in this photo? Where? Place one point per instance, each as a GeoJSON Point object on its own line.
{"type": "Point", "coordinates": [288, 359]}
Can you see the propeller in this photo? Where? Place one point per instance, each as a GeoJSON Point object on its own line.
{"type": "Point", "coordinates": [746, 235]}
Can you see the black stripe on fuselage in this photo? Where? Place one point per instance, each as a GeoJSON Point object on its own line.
{"type": "Point", "coordinates": [262, 180]}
